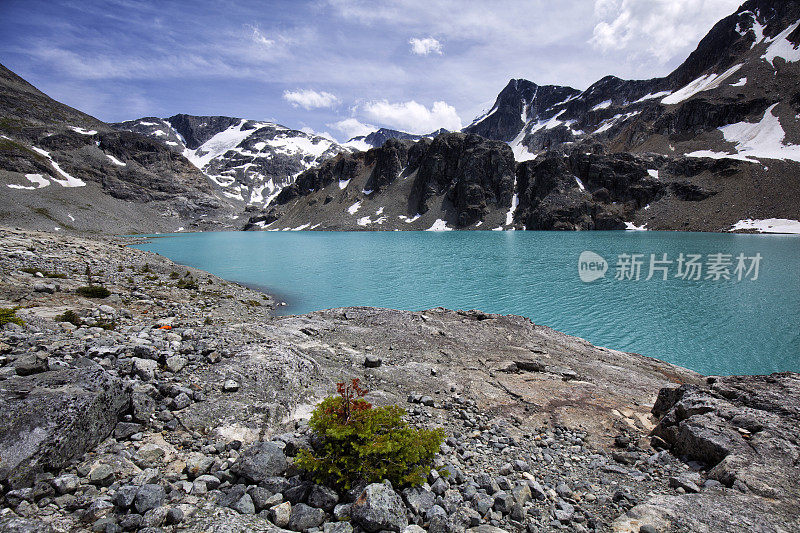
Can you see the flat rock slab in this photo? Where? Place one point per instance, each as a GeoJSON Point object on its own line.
{"type": "Point", "coordinates": [53, 417]}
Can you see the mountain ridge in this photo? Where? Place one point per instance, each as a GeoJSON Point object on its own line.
{"type": "Point", "coordinates": [715, 142]}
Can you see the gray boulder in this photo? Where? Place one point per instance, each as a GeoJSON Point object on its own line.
{"type": "Point", "coordinates": [53, 417]}
{"type": "Point", "coordinates": [379, 508]}
{"type": "Point", "coordinates": [149, 497]}
{"type": "Point", "coordinates": [419, 499]}
{"type": "Point", "coordinates": [323, 497]}
{"type": "Point", "coordinates": [260, 461]}
{"type": "Point", "coordinates": [304, 517]}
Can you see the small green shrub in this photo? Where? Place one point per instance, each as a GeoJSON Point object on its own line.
{"type": "Point", "coordinates": [106, 324]}
{"type": "Point", "coordinates": [187, 283]}
{"type": "Point", "coordinates": [93, 291]}
{"type": "Point", "coordinates": [174, 275]}
{"type": "Point", "coordinates": [71, 317]}
{"type": "Point", "coordinates": [362, 443]}
{"type": "Point", "coordinates": [9, 316]}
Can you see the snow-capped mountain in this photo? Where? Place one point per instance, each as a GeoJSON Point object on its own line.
{"type": "Point", "coordinates": [709, 147]}
{"type": "Point", "coordinates": [251, 161]}
{"type": "Point", "coordinates": [63, 170]}
{"type": "Point", "coordinates": [379, 137]}
{"type": "Point", "coordinates": [744, 71]}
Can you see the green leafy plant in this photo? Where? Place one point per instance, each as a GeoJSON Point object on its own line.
{"type": "Point", "coordinates": [71, 317]}
{"type": "Point", "coordinates": [93, 291]}
{"type": "Point", "coordinates": [359, 442]}
{"type": "Point", "coordinates": [9, 316]}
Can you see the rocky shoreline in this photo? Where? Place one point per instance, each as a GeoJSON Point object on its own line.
{"type": "Point", "coordinates": [177, 403]}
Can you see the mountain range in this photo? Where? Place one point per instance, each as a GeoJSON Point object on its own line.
{"type": "Point", "coordinates": [715, 142]}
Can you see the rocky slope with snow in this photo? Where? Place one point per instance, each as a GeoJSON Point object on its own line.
{"type": "Point", "coordinates": [714, 146]}
{"type": "Point", "coordinates": [377, 138]}
{"type": "Point", "coordinates": [61, 169]}
{"type": "Point", "coordinates": [464, 181]}
{"type": "Point", "coordinates": [250, 161]}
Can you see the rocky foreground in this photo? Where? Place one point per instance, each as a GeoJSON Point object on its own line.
{"type": "Point", "coordinates": [178, 402]}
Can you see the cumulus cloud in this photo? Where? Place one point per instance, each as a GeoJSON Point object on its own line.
{"type": "Point", "coordinates": [352, 127]}
{"type": "Point", "coordinates": [660, 28]}
{"type": "Point", "coordinates": [309, 99]}
{"type": "Point", "coordinates": [426, 46]}
{"type": "Point", "coordinates": [413, 117]}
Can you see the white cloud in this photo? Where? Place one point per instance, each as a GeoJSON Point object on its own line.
{"type": "Point", "coordinates": [308, 99]}
{"type": "Point", "coordinates": [413, 117]}
{"type": "Point", "coordinates": [423, 47]}
{"type": "Point", "coordinates": [352, 127]}
{"type": "Point", "coordinates": [310, 131]}
{"type": "Point", "coordinates": [259, 37]}
{"type": "Point", "coordinates": [659, 28]}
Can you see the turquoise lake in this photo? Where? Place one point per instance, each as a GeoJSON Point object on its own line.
{"type": "Point", "coordinates": [747, 326]}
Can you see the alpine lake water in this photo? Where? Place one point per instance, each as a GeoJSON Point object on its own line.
{"type": "Point", "coordinates": [713, 325]}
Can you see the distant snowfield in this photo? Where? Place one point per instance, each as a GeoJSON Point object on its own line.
{"type": "Point", "coordinates": [769, 225]}
{"type": "Point", "coordinates": [218, 145]}
{"type": "Point", "coordinates": [703, 83]}
{"type": "Point", "coordinates": [763, 139]}
{"type": "Point", "coordinates": [361, 146]}
{"type": "Point", "coordinates": [353, 209]}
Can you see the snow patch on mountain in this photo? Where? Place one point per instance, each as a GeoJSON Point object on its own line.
{"type": "Point", "coordinates": [652, 96]}
{"type": "Point", "coordinates": [68, 181]}
{"type": "Point", "coordinates": [783, 48]}
{"type": "Point", "coordinates": [769, 225]}
{"type": "Point", "coordinates": [116, 161]}
{"type": "Point", "coordinates": [439, 225]}
{"type": "Point", "coordinates": [701, 84]}
{"type": "Point", "coordinates": [759, 140]}
{"type": "Point", "coordinates": [82, 131]}
{"type": "Point", "coordinates": [353, 209]}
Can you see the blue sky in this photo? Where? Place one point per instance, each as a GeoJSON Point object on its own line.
{"type": "Point", "coordinates": [340, 67]}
